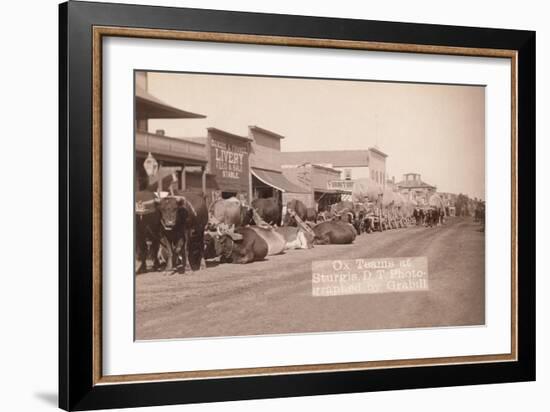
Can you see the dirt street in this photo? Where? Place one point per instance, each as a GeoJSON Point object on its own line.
{"type": "Point", "coordinates": [275, 296]}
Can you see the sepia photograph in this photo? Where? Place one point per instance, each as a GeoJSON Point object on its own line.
{"type": "Point", "coordinates": [270, 205]}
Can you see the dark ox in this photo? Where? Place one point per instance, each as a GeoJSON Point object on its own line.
{"type": "Point", "coordinates": [324, 216]}
{"type": "Point", "coordinates": [334, 233]}
{"type": "Point", "coordinates": [197, 219]}
{"type": "Point", "coordinates": [268, 209]}
{"type": "Point", "coordinates": [172, 232]}
{"type": "Point", "coordinates": [299, 208]}
{"type": "Point", "coordinates": [147, 230]}
{"type": "Point", "coordinates": [344, 211]}
{"type": "Point", "coordinates": [360, 221]}
{"type": "Point", "coordinates": [311, 215]}
{"type": "Point", "coordinates": [244, 244]}
{"type": "Point", "coordinates": [183, 219]}
{"type": "Point", "coordinates": [432, 217]}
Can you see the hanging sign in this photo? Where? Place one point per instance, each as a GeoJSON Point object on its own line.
{"type": "Point", "coordinates": [151, 165]}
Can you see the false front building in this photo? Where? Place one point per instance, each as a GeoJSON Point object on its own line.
{"type": "Point", "coordinates": [267, 177]}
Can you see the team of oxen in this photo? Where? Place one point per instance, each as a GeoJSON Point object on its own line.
{"type": "Point", "coordinates": [180, 231]}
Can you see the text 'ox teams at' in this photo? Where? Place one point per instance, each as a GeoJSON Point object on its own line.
{"type": "Point", "coordinates": [358, 276]}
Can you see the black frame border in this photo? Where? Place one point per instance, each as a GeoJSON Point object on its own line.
{"type": "Point", "coordinates": [76, 388]}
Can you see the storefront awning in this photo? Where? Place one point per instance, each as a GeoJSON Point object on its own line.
{"type": "Point", "coordinates": [150, 107]}
{"type": "Point", "coordinates": [333, 191]}
{"type": "Point", "coordinates": [277, 180]}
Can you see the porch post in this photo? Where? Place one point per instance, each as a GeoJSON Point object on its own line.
{"type": "Point", "coordinates": [159, 181]}
{"type": "Point", "coordinates": [203, 170]}
{"type": "Point", "coordinates": [183, 183]}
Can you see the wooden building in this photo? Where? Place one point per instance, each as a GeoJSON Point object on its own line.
{"type": "Point", "coordinates": [185, 158]}
{"type": "Point", "coordinates": [317, 182]}
{"type": "Point", "coordinates": [267, 178]}
{"type": "Point", "coordinates": [353, 164]}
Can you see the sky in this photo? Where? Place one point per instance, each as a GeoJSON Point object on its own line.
{"type": "Point", "coordinates": [435, 130]}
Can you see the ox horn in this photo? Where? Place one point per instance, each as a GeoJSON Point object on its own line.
{"type": "Point", "coordinates": [146, 202]}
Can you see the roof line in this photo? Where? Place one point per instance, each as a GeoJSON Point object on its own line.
{"type": "Point", "coordinates": [225, 133]}
{"type": "Point", "coordinates": [269, 132]}
{"type": "Point", "coordinates": [380, 152]}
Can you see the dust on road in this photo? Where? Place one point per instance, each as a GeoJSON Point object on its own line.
{"type": "Point", "coordinates": [274, 296]}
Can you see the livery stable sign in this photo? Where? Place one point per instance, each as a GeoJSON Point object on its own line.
{"type": "Point", "coordinates": [229, 161]}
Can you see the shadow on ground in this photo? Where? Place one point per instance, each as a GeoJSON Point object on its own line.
{"type": "Point", "coordinates": [49, 398]}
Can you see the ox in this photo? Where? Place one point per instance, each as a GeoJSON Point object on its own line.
{"type": "Point", "coordinates": [195, 224]}
{"type": "Point", "coordinates": [172, 232]}
{"type": "Point", "coordinates": [297, 207]}
{"type": "Point", "coordinates": [311, 215]}
{"type": "Point", "coordinates": [369, 222]}
{"type": "Point", "coordinates": [344, 211]}
{"type": "Point", "coordinates": [268, 209]}
{"type": "Point", "coordinates": [360, 221]}
{"type": "Point", "coordinates": [147, 230]}
{"type": "Point", "coordinates": [324, 216]}
{"type": "Point", "coordinates": [183, 219]}
{"type": "Point", "coordinates": [334, 232]}
{"type": "Point", "coordinates": [432, 217]}
{"type": "Point", "coordinates": [244, 244]}
{"type": "Point", "coordinates": [230, 212]}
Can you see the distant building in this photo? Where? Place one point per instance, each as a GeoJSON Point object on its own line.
{"type": "Point", "coordinates": [353, 164]}
{"type": "Point", "coordinates": [316, 181]}
{"type": "Point", "coordinates": [415, 189]}
{"type": "Point", "coordinates": [377, 166]}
